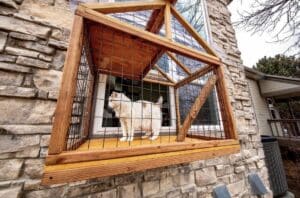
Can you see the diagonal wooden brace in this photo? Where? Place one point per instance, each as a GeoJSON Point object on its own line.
{"type": "Point", "coordinates": [200, 100]}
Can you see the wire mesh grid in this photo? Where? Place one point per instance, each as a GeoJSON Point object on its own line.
{"type": "Point", "coordinates": [131, 104]}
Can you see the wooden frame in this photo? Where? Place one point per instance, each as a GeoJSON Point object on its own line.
{"type": "Point", "coordinates": [66, 166]}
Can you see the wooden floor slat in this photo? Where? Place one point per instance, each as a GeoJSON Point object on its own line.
{"type": "Point", "coordinates": [110, 143]}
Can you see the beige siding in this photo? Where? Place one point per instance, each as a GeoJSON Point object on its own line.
{"type": "Point", "coordinates": [260, 108]}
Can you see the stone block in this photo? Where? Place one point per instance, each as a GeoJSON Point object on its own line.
{"type": "Point", "coordinates": [10, 169]}
{"type": "Point", "coordinates": [239, 169]}
{"type": "Point", "coordinates": [17, 25]}
{"type": "Point", "coordinates": [47, 80]}
{"type": "Point", "coordinates": [58, 44]}
{"type": "Point", "coordinates": [10, 78]}
{"type": "Point", "coordinates": [14, 67]}
{"type": "Point", "coordinates": [205, 176]}
{"type": "Point", "coordinates": [32, 62]}
{"type": "Point", "coordinates": [53, 95]}
{"type": "Point", "coordinates": [174, 194]}
{"type": "Point", "coordinates": [3, 38]}
{"type": "Point", "coordinates": [24, 111]}
{"type": "Point", "coordinates": [34, 168]}
{"type": "Point", "coordinates": [183, 179]}
{"type": "Point", "coordinates": [20, 143]}
{"type": "Point", "coordinates": [150, 188]}
{"type": "Point", "coordinates": [106, 194]}
{"type": "Point", "coordinates": [222, 170]}
{"type": "Point", "coordinates": [17, 91]}
{"type": "Point", "coordinates": [32, 184]}
{"type": "Point", "coordinates": [59, 59]}
{"type": "Point", "coordinates": [14, 192]}
{"type": "Point", "coordinates": [9, 3]}
{"type": "Point", "coordinates": [236, 188]}
{"type": "Point", "coordinates": [130, 190]}
{"type": "Point", "coordinates": [42, 94]}
{"type": "Point", "coordinates": [44, 152]}
{"type": "Point", "coordinates": [21, 36]}
{"type": "Point", "coordinates": [28, 80]}
{"type": "Point", "coordinates": [45, 57]}
{"type": "Point", "coordinates": [7, 58]}
{"type": "Point", "coordinates": [27, 129]}
{"type": "Point", "coordinates": [21, 52]}
{"type": "Point", "coordinates": [35, 46]}
{"type": "Point", "coordinates": [50, 192]}
{"type": "Point", "coordinates": [45, 140]}
{"type": "Point", "coordinates": [166, 183]}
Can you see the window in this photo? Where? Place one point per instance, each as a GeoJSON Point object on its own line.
{"type": "Point", "coordinates": [105, 119]}
{"type": "Point", "coordinates": [137, 93]}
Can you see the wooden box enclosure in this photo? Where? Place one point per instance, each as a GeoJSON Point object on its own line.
{"type": "Point", "coordinates": [113, 47]}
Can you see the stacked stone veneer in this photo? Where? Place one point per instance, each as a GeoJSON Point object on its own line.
{"type": "Point", "coordinates": [32, 53]}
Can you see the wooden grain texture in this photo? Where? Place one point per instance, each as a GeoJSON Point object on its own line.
{"type": "Point", "coordinates": [168, 25]}
{"type": "Point", "coordinates": [199, 102]}
{"type": "Point", "coordinates": [182, 66]}
{"type": "Point", "coordinates": [119, 54]}
{"type": "Point", "coordinates": [158, 82]}
{"type": "Point", "coordinates": [228, 119]}
{"type": "Point", "coordinates": [150, 37]}
{"type": "Point", "coordinates": [177, 109]}
{"type": "Point", "coordinates": [164, 74]}
{"type": "Point", "coordinates": [192, 31]}
{"type": "Point", "coordinates": [95, 150]}
{"type": "Point", "coordinates": [204, 70]}
{"type": "Point", "coordinates": [156, 19]}
{"type": "Point", "coordinates": [119, 7]}
{"type": "Point", "coordinates": [87, 170]}
{"type": "Point", "coordinates": [67, 90]}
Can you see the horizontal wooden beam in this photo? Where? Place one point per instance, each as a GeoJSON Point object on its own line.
{"type": "Point", "coordinates": [119, 7]}
{"type": "Point", "coordinates": [83, 156]}
{"type": "Point", "coordinates": [158, 82]}
{"type": "Point", "coordinates": [148, 36]}
{"type": "Point", "coordinates": [204, 70]}
{"type": "Point", "coordinates": [199, 102]}
{"type": "Point", "coordinates": [192, 31]}
{"type": "Point", "coordinates": [71, 172]}
{"type": "Point", "coordinates": [182, 66]}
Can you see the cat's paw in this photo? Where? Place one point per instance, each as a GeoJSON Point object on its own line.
{"type": "Point", "coordinates": [153, 138]}
{"type": "Point", "coordinates": [130, 139]}
{"type": "Point", "coordinates": [123, 139]}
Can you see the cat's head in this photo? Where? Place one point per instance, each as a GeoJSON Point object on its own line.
{"type": "Point", "coordinates": [115, 99]}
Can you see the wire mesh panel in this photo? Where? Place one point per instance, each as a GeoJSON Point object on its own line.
{"type": "Point", "coordinates": [79, 122]}
{"type": "Point", "coordinates": [138, 93]}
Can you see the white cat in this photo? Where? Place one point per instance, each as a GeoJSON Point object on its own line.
{"type": "Point", "coordinates": [140, 115]}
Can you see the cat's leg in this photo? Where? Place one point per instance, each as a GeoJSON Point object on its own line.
{"type": "Point", "coordinates": [155, 130]}
{"type": "Point", "coordinates": [124, 130]}
{"type": "Point", "coordinates": [130, 133]}
{"type": "Point", "coordinates": [148, 133]}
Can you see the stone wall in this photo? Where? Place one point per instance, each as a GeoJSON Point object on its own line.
{"type": "Point", "coordinates": [32, 51]}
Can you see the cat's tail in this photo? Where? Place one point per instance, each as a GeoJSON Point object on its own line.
{"type": "Point", "coordinates": [160, 100]}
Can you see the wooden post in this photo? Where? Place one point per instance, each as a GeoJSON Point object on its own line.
{"type": "Point", "coordinates": [200, 100]}
{"type": "Point", "coordinates": [194, 75]}
{"type": "Point", "coordinates": [225, 107]}
{"type": "Point", "coordinates": [178, 119]}
{"type": "Point", "coordinates": [168, 21]}
{"type": "Point", "coordinates": [67, 90]}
